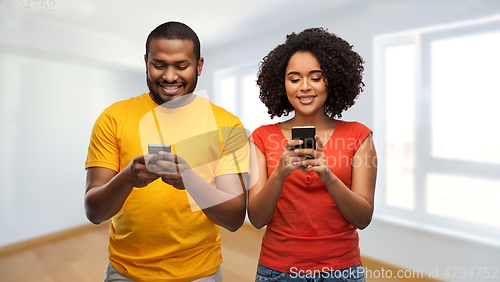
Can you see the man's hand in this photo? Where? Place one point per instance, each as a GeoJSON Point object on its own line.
{"type": "Point", "coordinates": [139, 173]}
{"type": "Point", "coordinates": [170, 167]}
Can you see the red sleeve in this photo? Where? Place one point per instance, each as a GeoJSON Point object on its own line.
{"type": "Point", "coordinates": [363, 133]}
{"type": "Point", "coordinates": [358, 131]}
{"type": "Point", "coordinates": [257, 138]}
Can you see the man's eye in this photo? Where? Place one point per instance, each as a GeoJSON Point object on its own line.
{"type": "Point", "coordinates": [182, 67]}
{"type": "Point", "coordinates": [159, 67]}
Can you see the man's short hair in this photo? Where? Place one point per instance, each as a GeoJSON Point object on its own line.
{"type": "Point", "coordinates": [175, 30]}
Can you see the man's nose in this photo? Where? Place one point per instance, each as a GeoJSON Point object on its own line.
{"type": "Point", "coordinates": [170, 74]}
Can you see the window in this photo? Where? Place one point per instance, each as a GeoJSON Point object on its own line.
{"type": "Point", "coordinates": [236, 91]}
{"type": "Point", "coordinates": [437, 110]}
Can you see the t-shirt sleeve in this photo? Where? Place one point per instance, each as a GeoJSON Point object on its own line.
{"type": "Point", "coordinates": [256, 138]}
{"type": "Point", "coordinates": [236, 155]}
{"type": "Point", "coordinates": [360, 131]}
{"type": "Point", "coordinates": [103, 148]}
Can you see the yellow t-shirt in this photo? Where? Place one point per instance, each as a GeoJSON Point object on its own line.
{"type": "Point", "coordinates": [160, 234]}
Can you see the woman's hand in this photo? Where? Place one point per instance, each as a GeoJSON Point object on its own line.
{"type": "Point", "coordinates": [289, 160]}
{"type": "Point", "coordinates": [315, 161]}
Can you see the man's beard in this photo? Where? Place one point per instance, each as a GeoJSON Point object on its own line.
{"type": "Point", "coordinates": [174, 101]}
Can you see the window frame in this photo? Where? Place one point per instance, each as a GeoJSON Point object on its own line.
{"type": "Point", "coordinates": [240, 72]}
{"type": "Point", "coordinates": [425, 163]}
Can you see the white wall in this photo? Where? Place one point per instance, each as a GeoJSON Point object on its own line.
{"type": "Point", "coordinates": [54, 82]}
{"type": "Point", "coordinates": [394, 243]}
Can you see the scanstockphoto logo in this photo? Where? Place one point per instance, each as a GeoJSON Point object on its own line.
{"type": "Point", "coordinates": [355, 273]}
{"type": "Point", "coordinates": [328, 273]}
{"type": "Point", "coordinates": [196, 148]}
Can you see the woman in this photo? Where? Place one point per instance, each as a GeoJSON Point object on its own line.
{"type": "Point", "coordinates": [312, 200]}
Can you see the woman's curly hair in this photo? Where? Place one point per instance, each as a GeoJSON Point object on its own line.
{"type": "Point", "coordinates": [341, 66]}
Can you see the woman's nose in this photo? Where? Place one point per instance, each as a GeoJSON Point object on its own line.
{"type": "Point", "coordinates": [305, 86]}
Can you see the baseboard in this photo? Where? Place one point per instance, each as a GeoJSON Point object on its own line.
{"type": "Point", "coordinates": [19, 246]}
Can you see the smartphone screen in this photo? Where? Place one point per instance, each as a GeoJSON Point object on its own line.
{"type": "Point", "coordinates": [306, 134]}
{"type": "Point", "coordinates": [156, 148]}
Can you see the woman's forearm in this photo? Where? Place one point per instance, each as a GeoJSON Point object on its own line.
{"type": "Point", "coordinates": [262, 206]}
{"type": "Point", "coordinates": [354, 208]}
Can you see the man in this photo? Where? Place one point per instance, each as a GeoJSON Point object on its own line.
{"type": "Point", "coordinates": [167, 208]}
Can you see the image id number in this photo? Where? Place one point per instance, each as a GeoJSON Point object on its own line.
{"type": "Point", "coordinates": [472, 272]}
{"type": "Point", "coordinates": [29, 5]}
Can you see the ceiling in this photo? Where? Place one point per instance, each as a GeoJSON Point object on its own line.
{"type": "Point", "coordinates": [216, 22]}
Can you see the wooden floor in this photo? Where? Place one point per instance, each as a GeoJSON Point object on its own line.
{"type": "Point", "coordinates": [82, 257]}
{"type": "Point", "coordinates": [77, 258]}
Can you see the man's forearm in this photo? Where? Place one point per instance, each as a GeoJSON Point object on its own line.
{"type": "Point", "coordinates": [226, 205]}
{"type": "Point", "coordinates": [103, 202]}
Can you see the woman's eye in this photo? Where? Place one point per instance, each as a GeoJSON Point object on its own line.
{"type": "Point", "coordinates": [295, 80]}
{"type": "Point", "coordinates": [316, 79]}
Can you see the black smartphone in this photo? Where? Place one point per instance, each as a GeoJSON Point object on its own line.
{"type": "Point", "coordinates": [156, 148]}
{"type": "Point", "coordinates": [306, 134]}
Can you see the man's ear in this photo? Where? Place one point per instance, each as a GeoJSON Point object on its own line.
{"type": "Point", "coordinates": [146, 61]}
{"type": "Point", "coordinates": [199, 66]}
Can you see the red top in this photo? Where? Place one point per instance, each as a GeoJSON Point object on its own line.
{"type": "Point", "coordinates": [307, 231]}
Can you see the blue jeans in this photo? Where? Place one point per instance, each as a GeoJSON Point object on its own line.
{"type": "Point", "coordinates": [350, 274]}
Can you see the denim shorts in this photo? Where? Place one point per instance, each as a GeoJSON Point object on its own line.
{"type": "Point", "coordinates": [349, 274]}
